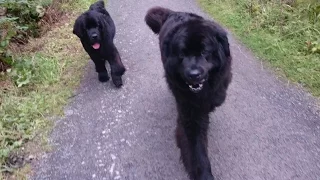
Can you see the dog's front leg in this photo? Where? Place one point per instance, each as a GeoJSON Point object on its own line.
{"type": "Point", "coordinates": [100, 68]}
{"type": "Point", "coordinates": [191, 136]}
{"type": "Point", "coordinates": [117, 68]}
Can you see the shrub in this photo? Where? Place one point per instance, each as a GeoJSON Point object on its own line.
{"type": "Point", "coordinates": [19, 20]}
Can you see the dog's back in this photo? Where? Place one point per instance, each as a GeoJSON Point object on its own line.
{"type": "Point", "coordinates": [156, 18]}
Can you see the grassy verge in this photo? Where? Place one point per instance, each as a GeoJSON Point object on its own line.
{"type": "Point", "coordinates": [287, 35]}
{"type": "Point", "coordinates": [49, 69]}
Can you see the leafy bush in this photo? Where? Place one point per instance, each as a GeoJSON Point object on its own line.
{"type": "Point", "coordinates": [27, 14]}
{"type": "Point", "coordinates": [8, 29]}
{"type": "Point", "coordinates": [18, 21]}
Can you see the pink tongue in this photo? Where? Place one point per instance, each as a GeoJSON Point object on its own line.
{"type": "Point", "coordinates": [96, 46]}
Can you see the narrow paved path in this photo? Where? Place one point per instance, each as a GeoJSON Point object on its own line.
{"type": "Point", "coordinates": [266, 130]}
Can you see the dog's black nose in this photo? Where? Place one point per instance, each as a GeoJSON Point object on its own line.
{"type": "Point", "coordinates": [194, 74]}
{"type": "Point", "coordinates": [94, 36]}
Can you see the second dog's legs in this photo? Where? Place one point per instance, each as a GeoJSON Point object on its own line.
{"type": "Point", "coordinates": [100, 68]}
{"type": "Point", "coordinates": [117, 68]}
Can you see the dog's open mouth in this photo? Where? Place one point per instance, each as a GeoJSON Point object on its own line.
{"type": "Point", "coordinates": [196, 87]}
{"type": "Point", "coordinates": [96, 46]}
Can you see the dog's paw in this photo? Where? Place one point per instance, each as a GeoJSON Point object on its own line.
{"type": "Point", "coordinates": [103, 77]}
{"type": "Point", "coordinates": [117, 81]}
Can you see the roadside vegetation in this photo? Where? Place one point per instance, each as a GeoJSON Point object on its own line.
{"type": "Point", "coordinates": [41, 63]}
{"type": "Point", "coordinates": [286, 33]}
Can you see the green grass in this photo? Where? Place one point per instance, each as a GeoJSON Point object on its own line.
{"type": "Point", "coordinates": [277, 33]}
{"type": "Point", "coordinates": [48, 70]}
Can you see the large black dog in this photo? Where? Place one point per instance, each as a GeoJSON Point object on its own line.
{"type": "Point", "coordinates": [197, 62]}
{"type": "Point", "coordinates": [96, 30]}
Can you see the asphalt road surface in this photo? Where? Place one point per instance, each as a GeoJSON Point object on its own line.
{"type": "Point", "coordinates": [266, 130]}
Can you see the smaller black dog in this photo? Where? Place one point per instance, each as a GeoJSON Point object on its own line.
{"type": "Point", "coordinates": [96, 30]}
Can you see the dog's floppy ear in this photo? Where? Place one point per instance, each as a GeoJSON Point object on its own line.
{"type": "Point", "coordinates": [221, 36]}
{"type": "Point", "coordinates": [224, 50]}
{"type": "Point", "coordinates": [223, 45]}
{"type": "Point", "coordinates": [156, 17]}
{"type": "Point", "coordinates": [223, 40]}
{"type": "Point", "coordinates": [78, 27]}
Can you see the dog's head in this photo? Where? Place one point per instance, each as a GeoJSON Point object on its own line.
{"type": "Point", "coordinates": [193, 49]}
{"type": "Point", "coordinates": [196, 50]}
{"type": "Point", "coordinates": [88, 27]}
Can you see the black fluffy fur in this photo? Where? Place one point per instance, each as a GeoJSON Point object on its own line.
{"type": "Point", "coordinates": [97, 21]}
{"type": "Point", "coordinates": [189, 43]}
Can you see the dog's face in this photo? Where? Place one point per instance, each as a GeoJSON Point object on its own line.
{"type": "Point", "coordinates": [88, 28]}
{"type": "Point", "coordinates": [195, 52]}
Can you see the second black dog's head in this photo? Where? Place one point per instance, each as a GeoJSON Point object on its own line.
{"type": "Point", "coordinates": [88, 28]}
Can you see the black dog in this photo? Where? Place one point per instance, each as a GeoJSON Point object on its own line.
{"type": "Point", "coordinates": [197, 62]}
{"type": "Point", "coordinates": [96, 30]}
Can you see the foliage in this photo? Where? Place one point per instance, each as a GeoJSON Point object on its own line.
{"type": "Point", "coordinates": [20, 109]}
{"type": "Point", "coordinates": [18, 21]}
{"type": "Point", "coordinates": [41, 78]}
{"type": "Point", "coordinates": [8, 30]}
{"type": "Point", "coordinates": [286, 33]}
